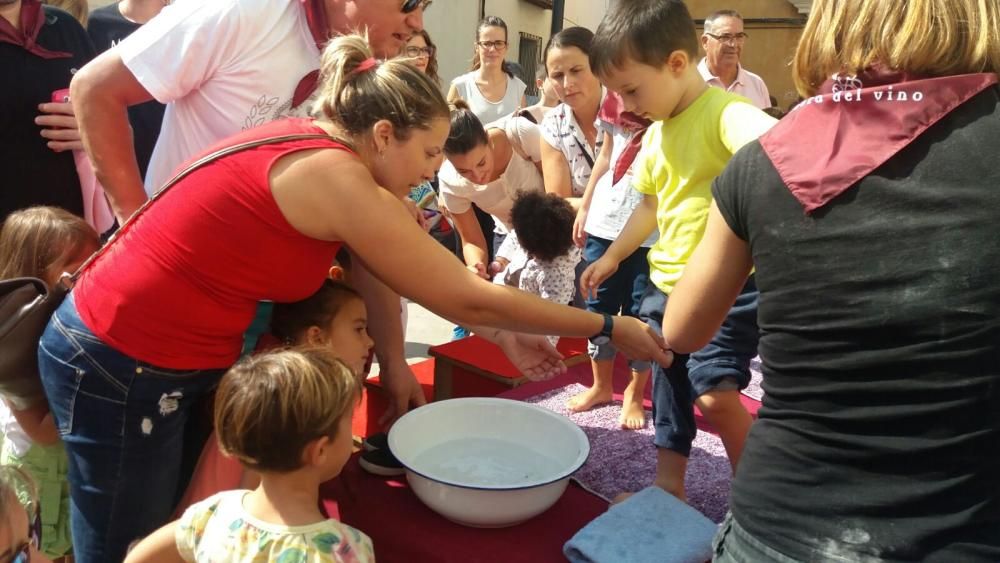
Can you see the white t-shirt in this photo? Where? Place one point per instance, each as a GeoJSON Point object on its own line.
{"type": "Point", "coordinates": [221, 66]}
{"type": "Point", "coordinates": [612, 205]}
{"type": "Point", "coordinates": [497, 197]}
{"type": "Point", "coordinates": [12, 432]}
{"type": "Point", "coordinates": [561, 131]}
{"type": "Point", "coordinates": [554, 281]}
{"type": "Point", "coordinates": [485, 110]}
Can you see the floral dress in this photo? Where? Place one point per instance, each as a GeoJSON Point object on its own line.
{"type": "Point", "coordinates": [219, 530]}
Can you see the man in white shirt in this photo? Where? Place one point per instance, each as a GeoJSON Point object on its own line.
{"type": "Point", "coordinates": [723, 42]}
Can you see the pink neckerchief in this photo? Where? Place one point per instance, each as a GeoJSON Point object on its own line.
{"type": "Point", "coordinates": [834, 139]}
{"type": "Point", "coordinates": [32, 20]}
{"type": "Point", "coordinates": [613, 111]}
{"type": "Point", "coordinates": [320, 30]}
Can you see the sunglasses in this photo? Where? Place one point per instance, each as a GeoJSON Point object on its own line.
{"type": "Point", "coordinates": [412, 5]}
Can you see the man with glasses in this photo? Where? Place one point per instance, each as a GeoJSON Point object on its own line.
{"type": "Point", "coordinates": [723, 42]}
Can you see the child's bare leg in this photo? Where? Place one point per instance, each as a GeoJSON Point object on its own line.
{"type": "Point", "coordinates": [670, 470]}
{"type": "Point", "coordinates": [600, 392]}
{"type": "Point", "coordinates": [730, 419]}
{"type": "Point", "coordinates": [633, 414]}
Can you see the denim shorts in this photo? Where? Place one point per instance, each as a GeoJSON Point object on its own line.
{"type": "Point", "coordinates": [125, 425]}
{"type": "Point", "coordinates": [733, 544]}
{"type": "Point", "coordinates": [723, 364]}
{"type": "Point", "coordinates": [621, 293]}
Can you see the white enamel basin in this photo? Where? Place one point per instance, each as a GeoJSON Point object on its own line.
{"type": "Point", "coordinates": [487, 462]}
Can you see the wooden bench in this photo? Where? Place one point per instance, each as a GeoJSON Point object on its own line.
{"type": "Point", "coordinates": [474, 367]}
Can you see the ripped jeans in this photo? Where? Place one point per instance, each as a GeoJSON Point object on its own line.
{"type": "Point", "coordinates": [123, 423]}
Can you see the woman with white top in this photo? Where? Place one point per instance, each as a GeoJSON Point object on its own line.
{"type": "Point", "coordinates": [487, 166]}
{"type": "Point", "coordinates": [572, 142]}
{"type": "Point", "coordinates": [491, 89]}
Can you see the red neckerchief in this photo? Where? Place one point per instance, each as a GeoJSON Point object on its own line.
{"type": "Point", "coordinates": [318, 27]}
{"type": "Point", "coordinates": [613, 111]}
{"type": "Point", "coordinates": [831, 141]}
{"type": "Point", "coordinates": [32, 20]}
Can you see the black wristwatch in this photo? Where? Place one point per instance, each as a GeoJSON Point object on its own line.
{"type": "Point", "coordinates": [604, 336]}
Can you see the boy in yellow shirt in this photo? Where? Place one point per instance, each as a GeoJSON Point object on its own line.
{"type": "Point", "coordinates": [646, 51]}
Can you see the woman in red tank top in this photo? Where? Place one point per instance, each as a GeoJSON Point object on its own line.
{"type": "Point", "coordinates": [153, 323]}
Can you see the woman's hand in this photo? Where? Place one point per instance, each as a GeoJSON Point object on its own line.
{"type": "Point", "coordinates": [532, 354]}
{"type": "Point", "coordinates": [596, 274]}
{"type": "Point", "coordinates": [479, 269]}
{"type": "Point", "coordinates": [638, 341]}
{"type": "Point", "coordinates": [59, 126]}
{"type": "Point", "coordinates": [417, 213]}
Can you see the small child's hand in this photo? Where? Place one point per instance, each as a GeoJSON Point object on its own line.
{"type": "Point", "coordinates": [595, 275]}
{"type": "Point", "coordinates": [498, 265]}
{"type": "Point", "coordinates": [579, 235]}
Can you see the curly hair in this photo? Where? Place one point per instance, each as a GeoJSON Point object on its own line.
{"type": "Point", "coordinates": [544, 224]}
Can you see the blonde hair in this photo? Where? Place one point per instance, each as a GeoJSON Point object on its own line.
{"type": "Point", "coordinates": [17, 490]}
{"type": "Point", "coordinates": [37, 239]}
{"type": "Point", "coordinates": [268, 408]}
{"type": "Point", "coordinates": [393, 90]}
{"type": "Point", "coordinates": [79, 9]}
{"type": "Point", "coordinates": [922, 37]}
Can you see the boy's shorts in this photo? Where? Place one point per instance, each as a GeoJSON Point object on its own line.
{"type": "Point", "coordinates": [723, 364]}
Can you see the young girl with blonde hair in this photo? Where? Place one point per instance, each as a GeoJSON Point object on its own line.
{"type": "Point", "coordinates": [43, 243]}
{"type": "Point", "coordinates": [287, 416]}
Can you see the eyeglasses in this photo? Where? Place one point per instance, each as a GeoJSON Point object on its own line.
{"type": "Point", "coordinates": [729, 37]}
{"type": "Point", "coordinates": [488, 45]}
{"type": "Point", "coordinates": [419, 52]}
{"type": "Point", "coordinates": [412, 5]}
{"type": "Point", "coordinates": [23, 553]}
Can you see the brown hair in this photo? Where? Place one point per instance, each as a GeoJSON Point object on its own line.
{"type": "Point", "coordinates": [432, 61]}
{"type": "Point", "coordinates": [290, 320]}
{"type": "Point", "coordinates": [268, 408]}
{"type": "Point", "coordinates": [79, 9]}
{"type": "Point", "coordinates": [646, 31]}
{"type": "Point", "coordinates": [466, 132]}
{"type": "Point", "coordinates": [921, 37]}
{"type": "Point", "coordinates": [393, 90]}
{"type": "Point", "coordinates": [37, 239]}
{"type": "Point", "coordinates": [491, 21]}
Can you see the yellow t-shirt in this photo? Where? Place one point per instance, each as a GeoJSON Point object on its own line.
{"type": "Point", "coordinates": [680, 158]}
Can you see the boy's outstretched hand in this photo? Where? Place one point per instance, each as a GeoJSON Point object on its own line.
{"type": "Point", "coordinates": [638, 341]}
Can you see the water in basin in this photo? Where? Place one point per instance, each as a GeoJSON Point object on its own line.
{"type": "Point", "coordinates": [486, 462]}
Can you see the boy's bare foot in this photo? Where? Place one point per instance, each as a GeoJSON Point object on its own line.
{"type": "Point", "coordinates": [633, 416]}
{"type": "Point", "coordinates": [589, 399]}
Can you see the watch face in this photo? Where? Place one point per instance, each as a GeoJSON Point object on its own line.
{"type": "Point", "coordinates": [600, 340]}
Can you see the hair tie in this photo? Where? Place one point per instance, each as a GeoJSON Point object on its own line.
{"type": "Point", "coordinates": [366, 65]}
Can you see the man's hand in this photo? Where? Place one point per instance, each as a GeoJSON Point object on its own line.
{"type": "Point", "coordinates": [404, 391]}
{"type": "Point", "coordinates": [532, 354]}
{"type": "Point", "coordinates": [58, 123]}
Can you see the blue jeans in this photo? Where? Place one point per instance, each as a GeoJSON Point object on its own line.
{"type": "Point", "coordinates": [123, 423]}
{"type": "Point", "coordinates": [733, 544]}
{"type": "Point", "coordinates": [721, 365]}
{"type": "Point", "coordinates": [621, 293]}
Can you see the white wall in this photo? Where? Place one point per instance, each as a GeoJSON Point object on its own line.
{"type": "Point", "coordinates": [585, 13]}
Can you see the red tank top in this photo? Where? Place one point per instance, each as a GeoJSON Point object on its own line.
{"type": "Point", "coordinates": [181, 285]}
